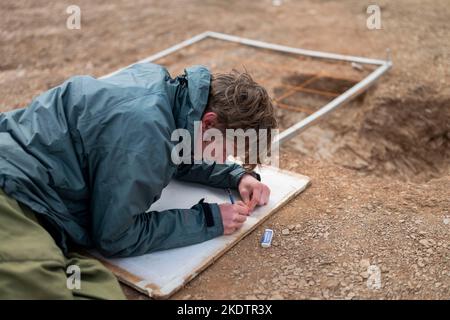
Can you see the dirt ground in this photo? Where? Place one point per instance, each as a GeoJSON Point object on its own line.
{"type": "Point", "coordinates": [380, 166]}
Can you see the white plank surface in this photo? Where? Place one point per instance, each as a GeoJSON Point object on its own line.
{"type": "Point", "coordinates": [160, 274]}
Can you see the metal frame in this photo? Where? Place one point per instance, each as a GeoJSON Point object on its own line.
{"type": "Point", "coordinates": [289, 133]}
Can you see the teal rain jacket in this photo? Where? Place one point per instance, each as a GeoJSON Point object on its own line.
{"type": "Point", "coordinates": [91, 155]}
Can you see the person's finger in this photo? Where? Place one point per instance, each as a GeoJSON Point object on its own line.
{"type": "Point", "coordinates": [242, 208]}
{"type": "Point", "coordinates": [264, 196]}
{"type": "Point", "coordinates": [256, 195]}
{"type": "Point", "coordinates": [230, 230]}
{"type": "Point", "coordinates": [240, 203]}
{"type": "Point", "coordinates": [238, 225]}
{"type": "Point", "coordinates": [240, 218]}
{"type": "Point", "coordinates": [245, 195]}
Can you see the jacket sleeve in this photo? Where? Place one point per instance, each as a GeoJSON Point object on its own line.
{"type": "Point", "coordinates": [121, 226]}
{"type": "Point", "coordinates": [225, 175]}
{"type": "Point", "coordinates": [215, 175]}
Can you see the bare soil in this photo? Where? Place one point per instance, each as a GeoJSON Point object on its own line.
{"type": "Point", "coordinates": [380, 166]}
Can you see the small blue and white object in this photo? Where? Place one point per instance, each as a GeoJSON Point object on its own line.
{"type": "Point", "coordinates": [266, 239]}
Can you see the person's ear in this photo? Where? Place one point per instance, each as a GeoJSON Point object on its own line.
{"type": "Point", "coordinates": [209, 120]}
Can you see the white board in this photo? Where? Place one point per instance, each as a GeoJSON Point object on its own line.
{"type": "Point", "coordinates": [160, 274]}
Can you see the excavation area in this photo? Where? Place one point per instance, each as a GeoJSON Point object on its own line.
{"type": "Point", "coordinates": [406, 139]}
{"type": "Point", "coordinates": [379, 165]}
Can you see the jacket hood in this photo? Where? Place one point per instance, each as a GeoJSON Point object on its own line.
{"type": "Point", "coordinates": [191, 97]}
{"type": "Point", "coordinates": [198, 83]}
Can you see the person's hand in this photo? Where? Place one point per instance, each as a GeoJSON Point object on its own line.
{"type": "Point", "coordinates": [253, 192]}
{"type": "Point", "coordinates": [233, 216]}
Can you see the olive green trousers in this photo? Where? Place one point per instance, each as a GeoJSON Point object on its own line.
{"type": "Point", "coordinates": [32, 266]}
